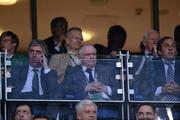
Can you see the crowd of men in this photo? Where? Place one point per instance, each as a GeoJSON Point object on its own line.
{"type": "Point", "coordinates": [62, 68]}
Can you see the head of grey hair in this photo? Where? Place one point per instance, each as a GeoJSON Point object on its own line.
{"type": "Point", "coordinates": [146, 34]}
{"type": "Point", "coordinates": [86, 102]}
{"type": "Point", "coordinates": [81, 50]}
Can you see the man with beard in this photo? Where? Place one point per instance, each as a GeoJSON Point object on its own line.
{"type": "Point", "coordinates": [146, 112]}
{"type": "Point", "coordinates": [35, 80]}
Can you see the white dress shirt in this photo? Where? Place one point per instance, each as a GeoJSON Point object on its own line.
{"type": "Point", "coordinates": [28, 84]}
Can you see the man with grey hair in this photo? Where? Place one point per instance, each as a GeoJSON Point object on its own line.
{"type": "Point", "coordinates": [142, 66]}
{"type": "Point", "coordinates": [86, 110]}
{"type": "Point", "coordinates": [148, 44]}
{"type": "Point", "coordinates": [89, 80]}
{"type": "Point", "coordinates": [34, 80]}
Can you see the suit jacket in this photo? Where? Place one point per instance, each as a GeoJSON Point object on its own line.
{"type": "Point", "coordinates": [59, 63]}
{"type": "Point", "coordinates": [51, 46]}
{"type": "Point", "coordinates": [75, 81]}
{"type": "Point", "coordinates": [159, 75]}
{"type": "Point", "coordinates": [51, 90]}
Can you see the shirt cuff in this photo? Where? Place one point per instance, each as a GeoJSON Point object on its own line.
{"type": "Point", "coordinates": [158, 91]}
{"type": "Point", "coordinates": [47, 70]}
{"type": "Point", "coordinates": [109, 91]}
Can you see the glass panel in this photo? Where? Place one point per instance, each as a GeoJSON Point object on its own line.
{"type": "Point", "coordinates": [105, 85]}
{"type": "Point", "coordinates": [150, 82]}
{"type": "Point", "coordinates": [66, 110]}
{"type": "Point", "coordinates": [162, 111]}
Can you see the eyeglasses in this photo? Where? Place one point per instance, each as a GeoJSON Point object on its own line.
{"type": "Point", "coordinates": [4, 40]}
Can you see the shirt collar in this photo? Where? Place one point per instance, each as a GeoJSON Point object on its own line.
{"type": "Point", "coordinates": [84, 68]}
{"type": "Point", "coordinates": [31, 68]}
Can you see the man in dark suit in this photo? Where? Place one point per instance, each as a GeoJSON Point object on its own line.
{"type": "Point", "coordinates": [90, 80]}
{"type": "Point", "coordinates": [35, 80]}
{"type": "Point", "coordinates": [56, 43]}
{"type": "Point", "coordinates": [167, 74]}
{"type": "Point", "coordinates": [142, 66]}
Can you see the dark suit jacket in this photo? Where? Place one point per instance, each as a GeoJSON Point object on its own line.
{"type": "Point", "coordinates": [75, 81]}
{"type": "Point", "coordinates": [159, 74]}
{"type": "Point", "coordinates": [51, 90]}
{"type": "Point", "coordinates": [51, 46]}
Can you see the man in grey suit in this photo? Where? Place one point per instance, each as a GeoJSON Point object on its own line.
{"type": "Point", "coordinates": [35, 80]}
{"type": "Point", "coordinates": [90, 80]}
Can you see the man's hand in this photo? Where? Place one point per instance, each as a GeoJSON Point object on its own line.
{"type": "Point", "coordinates": [44, 62]}
{"type": "Point", "coordinates": [171, 87]}
{"type": "Point", "coordinates": [96, 87]}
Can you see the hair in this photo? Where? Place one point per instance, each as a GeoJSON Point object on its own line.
{"type": "Point", "coordinates": [25, 104]}
{"type": "Point", "coordinates": [58, 20]}
{"type": "Point", "coordinates": [41, 43]}
{"type": "Point", "coordinates": [145, 37]}
{"type": "Point", "coordinates": [74, 29]}
{"type": "Point", "coordinates": [146, 104]}
{"type": "Point", "coordinates": [86, 102]}
{"type": "Point", "coordinates": [13, 36]}
{"type": "Point", "coordinates": [40, 116]}
{"type": "Point", "coordinates": [116, 37]}
{"type": "Point", "coordinates": [81, 50]}
{"type": "Point", "coordinates": [177, 34]}
{"type": "Point", "coordinates": [160, 41]}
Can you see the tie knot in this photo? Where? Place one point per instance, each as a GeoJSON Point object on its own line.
{"type": "Point", "coordinates": [35, 70]}
{"type": "Point", "coordinates": [168, 63]}
{"type": "Point", "coordinates": [88, 70]}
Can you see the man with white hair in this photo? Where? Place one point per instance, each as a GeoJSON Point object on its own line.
{"type": "Point", "coordinates": [90, 80]}
{"type": "Point", "coordinates": [86, 110]}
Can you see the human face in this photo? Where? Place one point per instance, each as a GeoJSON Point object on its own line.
{"type": "Point", "coordinates": [23, 113]}
{"type": "Point", "coordinates": [35, 56]}
{"type": "Point", "coordinates": [168, 49]}
{"type": "Point", "coordinates": [7, 44]}
{"type": "Point", "coordinates": [59, 30]}
{"type": "Point", "coordinates": [151, 41]}
{"type": "Point", "coordinates": [88, 113]}
{"type": "Point", "coordinates": [88, 57]}
{"type": "Point", "coordinates": [74, 40]}
{"type": "Point", "coordinates": [145, 112]}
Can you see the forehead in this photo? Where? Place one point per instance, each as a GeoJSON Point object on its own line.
{"type": "Point", "coordinates": [89, 49]}
{"type": "Point", "coordinates": [35, 47]}
{"type": "Point", "coordinates": [89, 107]}
{"type": "Point", "coordinates": [168, 41]}
{"type": "Point", "coordinates": [6, 37]}
{"type": "Point", "coordinates": [24, 107]}
{"type": "Point", "coordinates": [145, 108]}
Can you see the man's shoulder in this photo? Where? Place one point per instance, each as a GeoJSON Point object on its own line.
{"type": "Point", "coordinates": [49, 39]}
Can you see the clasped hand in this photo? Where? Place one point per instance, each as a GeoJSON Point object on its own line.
{"type": "Point", "coordinates": [171, 87]}
{"type": "Point", "coordinates": [96, 87]}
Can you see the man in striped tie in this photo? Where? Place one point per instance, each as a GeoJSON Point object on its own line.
{"type": "Point", "coordinates": [166, 73]}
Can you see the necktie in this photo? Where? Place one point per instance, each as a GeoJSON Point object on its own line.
{"type": "Point", "coordinates": [170, 71]}
{"type": "Point", "coordinates": [89, 71]}
{"type": "Point", "coordinates": [170, 76]}
{"type": "Point", "coordinates": [35, 83]}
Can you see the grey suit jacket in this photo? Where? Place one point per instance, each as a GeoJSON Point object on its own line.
{"type": "Point", "coordinates": [75, 81]}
